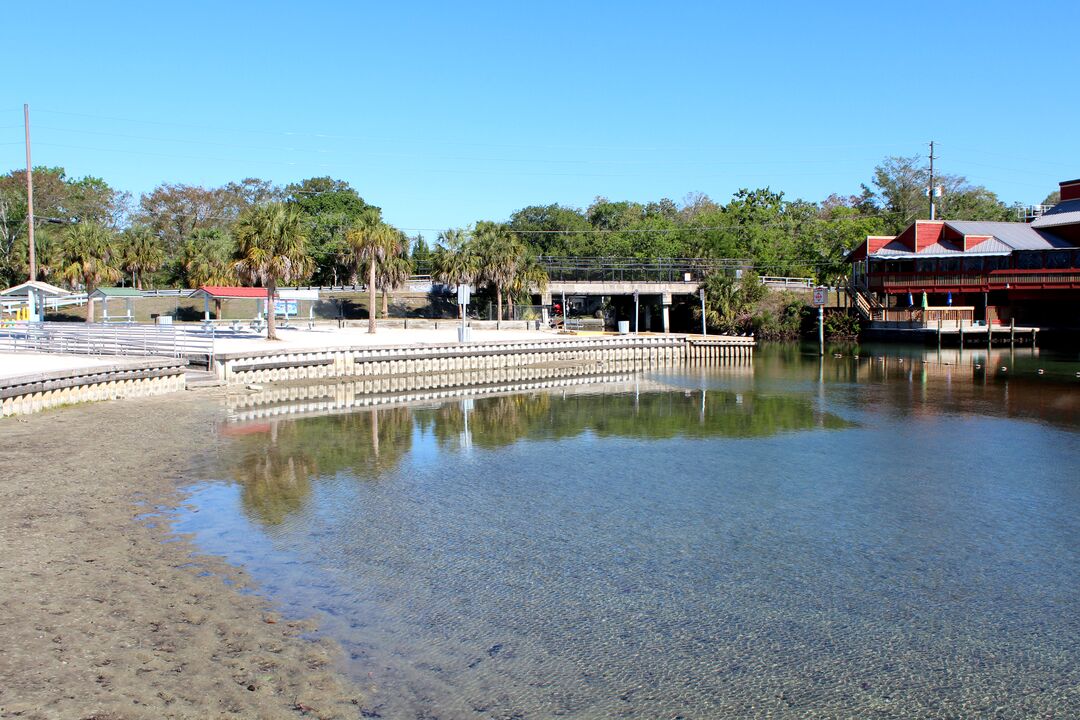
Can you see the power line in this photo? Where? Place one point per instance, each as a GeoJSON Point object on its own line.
{"type": "Point", "coordinates": [353, 138]}
{"type": "Point", "coordinates": [561, 161]}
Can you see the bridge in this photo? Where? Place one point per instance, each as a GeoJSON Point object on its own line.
{"type": "Point", "coordinates": [661, 277]}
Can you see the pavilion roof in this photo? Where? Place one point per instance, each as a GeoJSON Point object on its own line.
{"type": "Point", "coordinates": [224, 292]}
{"type": "Point", "coordinates": [109, 292]}
{"type": "Point", "coordinates": [43, 287]}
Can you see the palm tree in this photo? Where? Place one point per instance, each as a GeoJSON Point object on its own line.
{"type": "Point", "coordinates": [454, 262]}
{"type": "Point", "coordinates": [530, 277]}
{"type": "Point", "coordinates": [500, 252]}
{"type": "Point", "coordinates": [88, 256]}
{"type": "Point", "coordinates": [206, 258]}
{"type": "Point", "coordinates": [371, 244]}
{"type": "Point", "coordinates": [271, 247]}
{"type": "Point", "coordinates": [141, 252]}
{"type": "Point", "coordinates": [393, 273]}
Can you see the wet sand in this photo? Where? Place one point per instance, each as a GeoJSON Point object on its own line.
{"type": "Point", "coordinates": [103, 613]}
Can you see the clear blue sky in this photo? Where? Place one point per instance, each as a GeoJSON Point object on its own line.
{"type": "Point", "coordinates": [445, 113]}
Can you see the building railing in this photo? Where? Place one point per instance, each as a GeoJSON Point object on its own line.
{"type": "Point", "coordinates": [929, 316]}
{"type": "Point", "coordinates": [997, 279]}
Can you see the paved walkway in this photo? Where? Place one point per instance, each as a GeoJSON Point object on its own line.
{"type": "Point", "coordinates": [26, 363]}
{"type": "Point", "coordinates": [324, 337]}
{"type": "Point", "coordinates": [14, 364]}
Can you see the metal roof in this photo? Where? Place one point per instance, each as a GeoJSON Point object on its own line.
{"type": "Point", "coordinates": [116, 292]}
{"type": "Point", "coordinates": [1005, 237]}
{"type": "Point", "coordinates": [1017, 236]}
{"type": "Point", "coordinates": [1064, 213]}
{"type": "Point", "coordinates": [20, 290]}
{"type": "Point", "coordinates": [938, 249]}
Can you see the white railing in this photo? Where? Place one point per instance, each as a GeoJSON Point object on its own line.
{"type": "Point", "coordinates": [106, 339]}
{"type": "Point", "coordinates": [799, 282]}
{"type": "Point", "coordinates": [9, 306]}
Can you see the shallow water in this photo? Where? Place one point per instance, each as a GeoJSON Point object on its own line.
{"type": "Point", "coordinates": [893, 535]}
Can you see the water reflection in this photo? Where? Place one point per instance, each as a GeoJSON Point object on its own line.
{"type": "Point", "coordinates": [690, 544]}
{"type": "Point", "coordinates": [275, 461]}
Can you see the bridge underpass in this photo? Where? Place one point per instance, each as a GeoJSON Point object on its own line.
{"type": "Point", "coordinates": [562, 291]}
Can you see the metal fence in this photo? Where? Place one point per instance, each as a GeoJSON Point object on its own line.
{"type": "Point", "coordinates": [102, 339]}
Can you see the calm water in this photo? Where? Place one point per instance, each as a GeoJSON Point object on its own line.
{"type": "Point", "coordinates": [896, 535]}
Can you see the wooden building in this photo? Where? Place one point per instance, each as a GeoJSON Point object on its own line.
{"type": "Point", "coordinates": [1027, 273]}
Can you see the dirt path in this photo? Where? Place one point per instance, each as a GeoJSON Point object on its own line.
{"type": "Point", "coordinates": [99, 616]}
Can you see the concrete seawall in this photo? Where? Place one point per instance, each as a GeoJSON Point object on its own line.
{"type": "Point", "coordinates": [35, 392]}
{"type": "Point", "coordinates": [577, 355]}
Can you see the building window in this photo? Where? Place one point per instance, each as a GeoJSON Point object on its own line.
{"type": "Point", "coordinates": [1058, 259]}
{"type": "Point", "coordinates": [973, 265]}
{"type": "Point", "coordinates": [1029, 260]}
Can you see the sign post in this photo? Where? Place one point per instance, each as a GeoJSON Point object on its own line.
{"type": "Point", "coordinates": [636, 312]}
{"type": "Point", "coordinates": [704, 327]}
{"type": "Point", "coordinates": [821, 294]}
{"type": "Point", "coordinates": [464, 294]}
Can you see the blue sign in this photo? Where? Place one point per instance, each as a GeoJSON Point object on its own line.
{"type": "Point", "coordinates": [286, 307]}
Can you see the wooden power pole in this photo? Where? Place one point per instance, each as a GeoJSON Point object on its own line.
{"type": "Point", "coordinates": [29, 196]}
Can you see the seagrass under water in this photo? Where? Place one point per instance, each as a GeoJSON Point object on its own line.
{"type": "Point", "coordinates": [890, 536]}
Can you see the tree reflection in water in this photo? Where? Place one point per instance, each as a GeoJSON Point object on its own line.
{"type": "Point", "coordinates": [277, 462]}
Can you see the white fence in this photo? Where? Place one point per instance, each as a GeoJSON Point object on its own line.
{"type": "Point", "coordinates": [786, 282]}
{"type": "Point", "coordinates": [10, 306]}
{"type": "Point", "coordinates": [101, 339]}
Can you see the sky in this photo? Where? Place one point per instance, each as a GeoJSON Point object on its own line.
{"type": "Point", "coordinates": [446, 113]}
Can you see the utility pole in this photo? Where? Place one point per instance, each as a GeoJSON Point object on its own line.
{"type": "Point", "coordinates": [930, 191]}
{"type": "Point", "coordinates": [29, 195]}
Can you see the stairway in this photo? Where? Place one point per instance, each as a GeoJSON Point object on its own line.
{"type": "Point", "coordinates": [195, 379]}
{"type": "Point", "coordinates": [868, 306]}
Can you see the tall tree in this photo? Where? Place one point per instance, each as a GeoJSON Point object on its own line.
{"type": "Point", "coordinates": [529, 277]}
{"type": "Point", "coordinates": [207, 258]}
{"type": "Point", "coordinates": [420, 253]}
{"type": "Point", "coordinates": [371, 244]}
{"type": "Point", "coordinates": [271, 247]}
{"type": "Point", "coordinates": [89, 257]}
{"type": "Point", "coordinates": [499, 253]}
{"type": "Point", "coordinates": [331, 207]}
{"type": "Point", "coordinates": [453, 262]}
{"type": "Point", "coordinates": [393, 273]}
{"type": "Point", "coordinates": [140, 253]}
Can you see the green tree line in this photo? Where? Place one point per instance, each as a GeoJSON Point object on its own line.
{"type": "Point", "coordinates": [322, 231]}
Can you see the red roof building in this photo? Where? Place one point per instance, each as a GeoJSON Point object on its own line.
{"type": "Point", "coordinates": [999, 272]}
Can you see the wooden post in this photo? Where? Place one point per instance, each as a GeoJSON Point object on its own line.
{"type": "Point", "coordinates": [1012, 332]}
{"type": "Point", "coordinates": [939, 333]}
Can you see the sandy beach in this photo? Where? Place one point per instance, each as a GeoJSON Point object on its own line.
{"type": "Point", "coordinates": [103, 612]}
